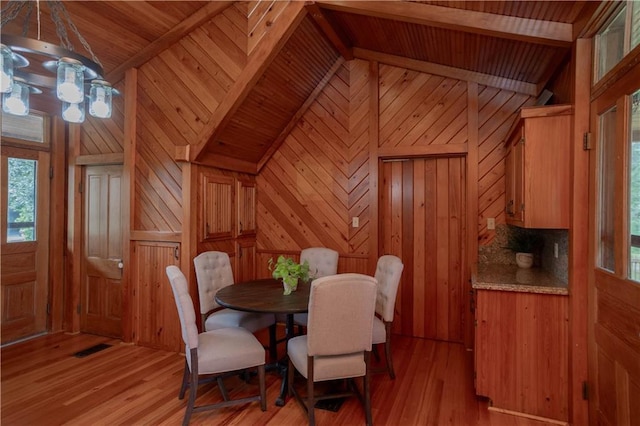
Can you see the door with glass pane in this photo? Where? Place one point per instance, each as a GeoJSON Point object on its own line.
{"type": "Point", "coordinates": [25, 241]}
{"type": "Point", "coordinates": [614, 299]}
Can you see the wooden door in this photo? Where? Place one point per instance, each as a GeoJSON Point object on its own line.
{"type": "Point", "coordinates": [246, 207]}
{"type": "Point", "coordinates": [101, 291]}
{"type": "Point", "coordinates": [24, 174]}
{"type": "Point", "coordinates": [614, 284]}
{"type": "Point", "coordinates": [422, 221]}
{"type": "Point", "coordinates": [218, 206]}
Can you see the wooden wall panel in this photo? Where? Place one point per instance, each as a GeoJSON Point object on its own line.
{"type": "Point", "coordinates": [318, 180]}
{"type": "Point", "coordinates": [497, 110]}
{"type": "Point", "coordinates": [178, 91]}
{"type": "Point", "coordinates": [104, 136]}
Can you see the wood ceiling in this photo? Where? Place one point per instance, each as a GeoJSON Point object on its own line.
{"type": "Point", "coordinates": [515, 45]}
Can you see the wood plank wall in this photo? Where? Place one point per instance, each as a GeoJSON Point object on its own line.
{"type": "Point", "coordinates": [318, 179]}
{"type": "Point", "coordinates": [100, 136]}
{"type": "Point", "coordinates": [307, 193]}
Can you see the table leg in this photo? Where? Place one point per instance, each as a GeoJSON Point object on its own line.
{"type": "Point", "coordinates": [284, 364]}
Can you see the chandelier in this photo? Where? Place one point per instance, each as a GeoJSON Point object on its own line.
{"type": "Point", "coordinates": [72, 71]}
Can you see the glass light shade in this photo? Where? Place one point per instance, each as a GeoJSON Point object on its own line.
{"type": "Point", "coordinates": [6, 64]}
{"type": "Point", "coordinates": [73, 113]}
{"type": "Point", "coordinates": [70, 81]}
{"type": "Point", "coordinates": [100, 99]}
{"type": "Point", "coordinates": [16, 101]}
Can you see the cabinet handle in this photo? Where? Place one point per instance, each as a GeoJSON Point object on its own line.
{"type": "Point", "coordinates": [509, 208]}
{"type": "Point", "coordinates": [240, 231]}
{"type": "Point", "coordinates": [176, 252]}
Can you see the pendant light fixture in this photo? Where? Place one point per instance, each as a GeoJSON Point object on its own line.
{"type": "Point", "coordinates": [77, 78]}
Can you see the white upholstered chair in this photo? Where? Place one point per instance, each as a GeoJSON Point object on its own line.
{"type": "Point", "coordinates": [213, 272]}
{"type": "Point", "coordinates": [338, 340]}
{"type": "Point", "coordinates": [322, 262]}
{"type": "Point", "coordinates": [213, 353]}
{"type": "Point", "coordinates": [388, 273]}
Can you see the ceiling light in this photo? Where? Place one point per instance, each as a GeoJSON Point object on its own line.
{"type": "Point", "coordinates": [73, 71]}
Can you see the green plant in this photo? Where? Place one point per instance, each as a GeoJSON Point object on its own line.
{"type": "Point", "coordinates": [289, 271]}
{"type": "Point", "coordinates": [524, 241]}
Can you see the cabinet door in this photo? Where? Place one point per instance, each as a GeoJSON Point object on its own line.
{"type": "Point", "coordinates": [218, 207]}
{"type": "Point", "coordinates": [246, 207]}
{"type": "Point", "coordinates": [246, 260]}
{"type": "Point", "coordinates": [514, 180]}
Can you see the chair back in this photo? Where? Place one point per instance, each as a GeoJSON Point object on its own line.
{"type": "Point", "coordinates": [322, 261]}
{"type": "Point", "coordinates": [185, 307]}
{"type": "Point", "coordinates": [213, 272]}
{"type": "Point", "coordinates": [341, 311]}
{"type": "Point", "coordinates": [388, 273]}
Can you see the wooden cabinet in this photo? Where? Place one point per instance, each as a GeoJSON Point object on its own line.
{"type": "Point", "coordinates": [246, 204]}
{"type": "Point", "coordinates": [218, 206]}
{"type": "Point", "coordinates": [245, 259]}
{"type": "Point", "coordinates": [521, 352]}
{"type": "Point", "coordinates": [537, 168]}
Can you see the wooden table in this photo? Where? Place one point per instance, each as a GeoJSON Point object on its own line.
{"type": "Point", "coordinates": [267, 296]}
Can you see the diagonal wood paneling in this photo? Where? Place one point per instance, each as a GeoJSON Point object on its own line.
{"type": "Point", "coordinates": [497, 109]}
{"type": "Point", "coordinates": [318, 179]}
{"type": "Point", "coordinates": [421, 109]}
{"type": "Point", "coordinates": [178, 91]}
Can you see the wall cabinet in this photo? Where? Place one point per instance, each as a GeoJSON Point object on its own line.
{"type": "Point", "coordinates": [537, 168]}
{"type": "Point", "coordinates": [218, 206]}
{"type": "Point", "coordinates": [521, 352]}
{"type": "Point", "coordinates": [246, 206]}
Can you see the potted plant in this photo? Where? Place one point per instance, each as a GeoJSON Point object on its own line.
{"type": "Point", "coordinates": [524, 243]}
{"type": "Point", "coordinates": [290, 272]}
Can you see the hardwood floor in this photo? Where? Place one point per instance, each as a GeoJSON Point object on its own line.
{"type": "Point", "coordinates": [43, 383]}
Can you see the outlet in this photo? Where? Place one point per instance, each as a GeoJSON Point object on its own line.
{"type": "Point", "coordinates": [355, 222]}
{"type": "Point", "coordinates": [555, 250]}
{"type": "Point", "coordinates": [491, 223]}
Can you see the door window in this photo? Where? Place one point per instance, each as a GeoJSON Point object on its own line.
{"type": "Point", "coordinates": [21, 200]}
{"type": "Point", "coordinates": [606, 185]}
{"type": "Point", "coordinates": [634, 188]}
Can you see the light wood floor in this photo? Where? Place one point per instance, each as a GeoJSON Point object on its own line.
{"type": "Point", "coordinates": [44, 384]}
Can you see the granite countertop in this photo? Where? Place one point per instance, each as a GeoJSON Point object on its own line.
{"type": "Point", "coordinates": [512, 278]}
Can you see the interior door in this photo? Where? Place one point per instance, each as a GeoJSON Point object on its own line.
{"type": "Point", "coordinates": [614, 279]}
{"type": "Point", "coordinates": [101, 292]}
{"type": "Point", "coordinates": [25, 242]}
{"type": "Point", "coordinates": [422, 221]}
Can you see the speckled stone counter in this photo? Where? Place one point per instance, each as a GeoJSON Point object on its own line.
{"type": "Point", "coordinates": [512, 278]}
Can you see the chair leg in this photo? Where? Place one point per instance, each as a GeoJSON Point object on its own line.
{"type": "Point", "coordinates": [263, 388]}
{"type": "Point", "coordinates": [290, 374]}
{"type": "Point", "coordinates": [367, 390]}
{"type": "Point", "coordinates": [273, 343]}
{"type": "Point", "coordinates": [223, 390]}
{"type": "Point", "coordinates": [311, 402]}
{"type": "Point", "coordinates": [185, 380]}
{"type": "Point", "coordinates": [193, 389]}
{"type": "Point", "coordinates": [387, 351]}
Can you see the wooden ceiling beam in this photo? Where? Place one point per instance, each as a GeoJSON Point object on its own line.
{"type": "Point", "coordinates": [332, 34]}
{"type": "Point", "coordinates": [275, 145]}
{"type": "Point", "coordinates": [489, 24]}
{"type": "Point", "coordinates": [258, 62]}
{"type": "Point", "coordinates": [446, 71]}
{"type": "Point", "coordinates": [204, 14]}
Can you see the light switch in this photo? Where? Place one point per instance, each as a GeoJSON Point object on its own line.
{"type": "Point", "coordinates": [491, 223]}
{"type": "Point", "coordinates": [355, 222]}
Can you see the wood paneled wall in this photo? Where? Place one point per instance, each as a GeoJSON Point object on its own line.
{"type": "Point", "coordinates": [178, 91]}
{"type": "Point", "coordinates": [100, 136]}
{"type": "Point", "coordinates": [318, 180]}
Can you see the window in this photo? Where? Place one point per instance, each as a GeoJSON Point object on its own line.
{"type": "Point", "coordinates": [606, 190]}
{"type": "Point", "coordinates": [634, 188]}
{"type": "Point", "coordinates": [28, 128]}
{"type": "Point", "coordinates": [617, 39]}
{"type": "Point", "coordinates": [21, 200]}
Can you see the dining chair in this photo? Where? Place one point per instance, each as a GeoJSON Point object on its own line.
{"type": "Point", "coordinates": [213, 272]}
{"type": "Point", "coordinates": [212, 353]}
{"type": "Point", "coordinates": [322, 262]}
{"type": "Point", "coordinates": [338, 340]}
{"type": "Point", "coordinates": [388, 273]}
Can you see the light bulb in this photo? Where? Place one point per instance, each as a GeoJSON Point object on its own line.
{"type": "Point", "coordinates": [6, 69]}
{"type": "Point", "coordinates": [70, 81]}
{"type": "Point", "coordinates": [16, 101]}
{"type": "Point", "coordinates": [100, 99]}
{"type": "Point", "coordinates": [73, 113]}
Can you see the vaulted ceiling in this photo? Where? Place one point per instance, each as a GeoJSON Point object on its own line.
{"type": "Point", "coordinates": [516, 45]}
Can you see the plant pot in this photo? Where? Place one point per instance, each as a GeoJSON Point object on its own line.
{"type": "Point", "coordinates": [288, 287]}
{"type": "Point", "coordinates": [524, 260]}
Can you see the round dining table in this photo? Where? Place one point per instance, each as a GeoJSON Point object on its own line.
{"type": "Point", "coordinates": [267, 296]}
